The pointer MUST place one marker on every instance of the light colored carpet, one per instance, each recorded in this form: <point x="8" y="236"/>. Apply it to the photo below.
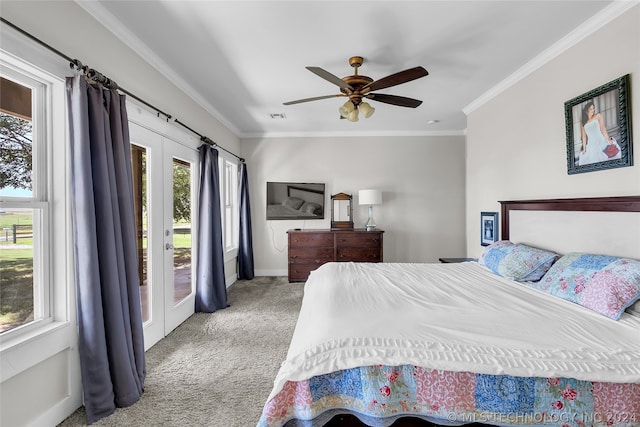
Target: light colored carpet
<point x="216" y="369"/>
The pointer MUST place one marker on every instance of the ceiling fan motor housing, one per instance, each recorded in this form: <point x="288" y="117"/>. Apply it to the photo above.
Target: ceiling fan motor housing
<point x="357" y="82"/>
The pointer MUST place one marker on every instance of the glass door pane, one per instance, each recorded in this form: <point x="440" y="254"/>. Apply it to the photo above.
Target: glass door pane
<point x="180" y="204"/>
<point x="148" y="193"/>
<point x="141" y="210"/>
<point x="181" y="230"/>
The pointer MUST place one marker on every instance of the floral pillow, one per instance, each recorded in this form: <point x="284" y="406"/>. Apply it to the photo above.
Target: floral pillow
<point x="494" y="253"/>
<point x="602" y="283"/>
<point x="517" y="261"/>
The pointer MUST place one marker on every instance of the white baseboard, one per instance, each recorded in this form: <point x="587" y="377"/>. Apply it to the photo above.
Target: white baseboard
<point x="271" y="272"/>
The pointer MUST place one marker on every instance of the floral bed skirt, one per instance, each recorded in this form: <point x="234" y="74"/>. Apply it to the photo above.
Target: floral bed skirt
<point x="386" y="392"/>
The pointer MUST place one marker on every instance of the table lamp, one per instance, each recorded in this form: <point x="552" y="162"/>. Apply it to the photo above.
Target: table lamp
<point x="370" y="197"/>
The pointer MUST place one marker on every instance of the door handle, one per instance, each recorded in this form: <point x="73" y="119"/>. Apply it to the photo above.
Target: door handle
<point x="168" y="246"/>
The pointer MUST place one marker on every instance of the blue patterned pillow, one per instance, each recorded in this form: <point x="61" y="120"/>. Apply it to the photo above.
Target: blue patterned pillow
<point x="494" y="254"/>
<point x="603" y="283"/>
<point x="517" y="261"/>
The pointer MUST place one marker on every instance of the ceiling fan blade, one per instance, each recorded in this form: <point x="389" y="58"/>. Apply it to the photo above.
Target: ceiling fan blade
<point x="299" y="101"/>
<point x="395" y="79"/>
<point x="395" y="100"/>
<point x="330" y="77"/>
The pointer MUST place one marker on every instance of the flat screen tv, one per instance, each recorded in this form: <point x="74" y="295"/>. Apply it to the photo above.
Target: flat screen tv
<point x="295" y="200"/>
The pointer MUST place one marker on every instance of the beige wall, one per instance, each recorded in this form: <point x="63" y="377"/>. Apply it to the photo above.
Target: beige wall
<point x="421" y="178"/>
<point x="516" y="145"/>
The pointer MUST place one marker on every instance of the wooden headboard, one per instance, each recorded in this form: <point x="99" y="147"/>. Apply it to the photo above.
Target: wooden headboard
<point x="620" y="230"/>
<point x="598" y="204"/>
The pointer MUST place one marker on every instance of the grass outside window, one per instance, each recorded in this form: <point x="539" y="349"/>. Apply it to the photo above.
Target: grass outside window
<point x="16" y="270"/>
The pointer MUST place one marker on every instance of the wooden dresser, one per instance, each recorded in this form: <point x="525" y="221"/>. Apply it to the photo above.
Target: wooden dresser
<point x="309" y="249"/>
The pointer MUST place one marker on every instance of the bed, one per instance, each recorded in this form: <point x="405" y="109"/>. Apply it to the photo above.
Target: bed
<point x="529" y="335"/>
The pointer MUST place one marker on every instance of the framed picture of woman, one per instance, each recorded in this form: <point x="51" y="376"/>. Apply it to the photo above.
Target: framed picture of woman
<point x="488" y="228"/>
<point x="598" y="127"/>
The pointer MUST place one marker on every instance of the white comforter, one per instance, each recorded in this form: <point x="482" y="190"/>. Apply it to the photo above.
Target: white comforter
<point x="455" y="317"/>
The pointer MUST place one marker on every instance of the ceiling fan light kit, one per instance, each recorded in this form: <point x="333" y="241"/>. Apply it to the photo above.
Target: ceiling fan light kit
<point x="347" y="108"/>
<point x="356" y="87"/>
<point x="366" y="109"/>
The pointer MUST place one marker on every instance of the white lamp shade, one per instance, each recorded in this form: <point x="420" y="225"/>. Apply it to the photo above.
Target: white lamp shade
<point x="370" y="197"/>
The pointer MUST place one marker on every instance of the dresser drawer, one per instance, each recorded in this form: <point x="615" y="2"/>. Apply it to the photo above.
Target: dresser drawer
<point x="310" y="239"/>
<point x="306" y="254"/>
<point x="359" y="254"/>
<point x="359" y="240"/>
<point x="300" y="272"/>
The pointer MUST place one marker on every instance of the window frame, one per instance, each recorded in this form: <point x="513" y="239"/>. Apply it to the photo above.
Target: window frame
<point x="49" y="203"/>
<point x="228" y="171"/>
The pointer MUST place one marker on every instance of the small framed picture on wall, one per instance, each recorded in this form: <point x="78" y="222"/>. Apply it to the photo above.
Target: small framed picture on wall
<point x="488" y="228"/>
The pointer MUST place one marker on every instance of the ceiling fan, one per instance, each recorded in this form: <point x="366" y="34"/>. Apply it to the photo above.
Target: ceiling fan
<point x="357" y="87"/>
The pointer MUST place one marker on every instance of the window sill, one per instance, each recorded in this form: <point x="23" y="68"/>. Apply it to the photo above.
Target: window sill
<point x="22" y="351"/>
<point x="30" y="332"/>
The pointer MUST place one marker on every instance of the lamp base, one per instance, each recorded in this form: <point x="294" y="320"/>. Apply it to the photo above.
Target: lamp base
<point x="371" y="224"/>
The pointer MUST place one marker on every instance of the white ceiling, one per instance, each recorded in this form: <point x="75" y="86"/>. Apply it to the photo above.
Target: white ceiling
<point x="241" y="60"/>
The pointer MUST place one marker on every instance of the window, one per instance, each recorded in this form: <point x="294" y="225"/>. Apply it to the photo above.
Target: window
<point x="229" y="195"/>
<point x="26" y="135"/>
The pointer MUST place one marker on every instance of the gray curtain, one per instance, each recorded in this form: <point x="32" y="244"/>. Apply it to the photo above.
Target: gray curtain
<point x="245" y="241"/>
<point x="111" y="343"/>
<point x="211" y="289"/>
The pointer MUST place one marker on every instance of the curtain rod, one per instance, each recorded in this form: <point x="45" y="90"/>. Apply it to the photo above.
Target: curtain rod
<point x="110" y="84"/>
<point x="207" y="140"/>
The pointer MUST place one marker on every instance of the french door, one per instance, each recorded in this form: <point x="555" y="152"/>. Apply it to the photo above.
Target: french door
<point x="165" y="184"/>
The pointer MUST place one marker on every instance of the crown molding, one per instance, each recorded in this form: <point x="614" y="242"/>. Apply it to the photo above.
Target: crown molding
<point x="113" y="24"/>
<point x="352" y="134"/>
<point x="608" y="14"/>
